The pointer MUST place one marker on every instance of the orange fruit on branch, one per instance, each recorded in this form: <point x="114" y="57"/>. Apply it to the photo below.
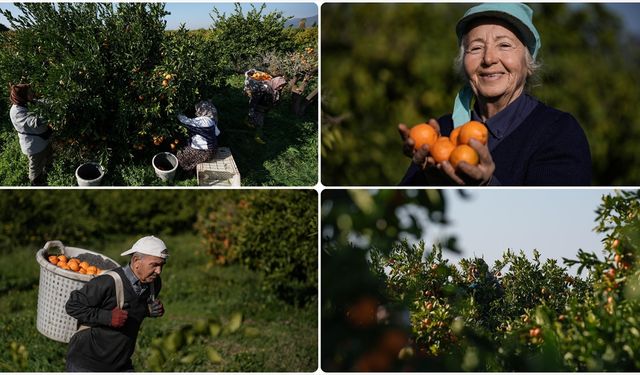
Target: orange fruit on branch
<point x="473" y="130"/>
<point x="463" y="153"/>
<point x="423" y="134"/>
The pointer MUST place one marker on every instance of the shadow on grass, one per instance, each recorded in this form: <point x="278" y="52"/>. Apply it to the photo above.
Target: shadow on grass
<point x="282" y="130"/>
<point x="287" y="157"/>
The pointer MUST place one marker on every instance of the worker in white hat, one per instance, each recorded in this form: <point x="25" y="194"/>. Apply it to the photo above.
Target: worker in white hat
<point x="111" y="307"/>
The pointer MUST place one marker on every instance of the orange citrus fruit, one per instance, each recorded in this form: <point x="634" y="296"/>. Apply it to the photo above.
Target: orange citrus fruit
<point x="63" y="265"/>
<point x="62" y="258"/>
<point x="84" y="265"/>
<point x="73" y="266"/>
<point x="423" y="134"/>
<point x="463" y="153"/>
<point x="475" y="130"/>
<point x="82" y="271"/>
<point x="441" y="150"/>
<point x="454" y="135"/>
<point x="91" y="270"/>
<point x="53" y="259"/>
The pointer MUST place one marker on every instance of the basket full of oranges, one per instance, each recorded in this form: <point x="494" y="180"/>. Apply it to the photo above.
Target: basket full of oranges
<point x="64" y="269"/>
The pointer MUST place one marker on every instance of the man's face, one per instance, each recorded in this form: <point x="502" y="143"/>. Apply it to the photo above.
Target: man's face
<point x="147" y="268"/>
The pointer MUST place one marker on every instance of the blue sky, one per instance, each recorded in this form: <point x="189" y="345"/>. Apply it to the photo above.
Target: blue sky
<point x="196" y="15"/>
<point x="556" y="222"/>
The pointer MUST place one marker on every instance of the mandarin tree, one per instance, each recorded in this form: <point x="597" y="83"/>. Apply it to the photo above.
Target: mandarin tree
<point x="100" y="69"/>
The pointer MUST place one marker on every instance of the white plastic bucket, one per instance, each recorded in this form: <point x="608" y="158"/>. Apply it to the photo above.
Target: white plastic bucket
<point x="165" y="164"/>
<point x="89" y="174"/>
<point x="55" y="287"/>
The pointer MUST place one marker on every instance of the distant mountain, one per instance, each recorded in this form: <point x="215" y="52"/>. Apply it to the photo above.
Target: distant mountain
<point x="310" y="21"/>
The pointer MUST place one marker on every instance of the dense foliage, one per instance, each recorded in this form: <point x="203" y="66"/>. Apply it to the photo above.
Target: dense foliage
<point x="362" y="218"/>
<point x="274" y="232"/>
<point x="408" y="308"/>
<point x="112" y="80"/>
<point x="271" y="232"/>
<point x="385" y="64"/>
<point x="34" y="217"/>
<point x="241" y="37"/>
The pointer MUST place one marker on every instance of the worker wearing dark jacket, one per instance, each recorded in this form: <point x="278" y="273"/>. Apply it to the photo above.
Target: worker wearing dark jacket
<point x="529" y="143"/>
<point x="107" y="334"/>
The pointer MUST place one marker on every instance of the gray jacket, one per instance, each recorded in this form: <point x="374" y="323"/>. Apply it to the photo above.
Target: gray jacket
<point x="28" y="125"/>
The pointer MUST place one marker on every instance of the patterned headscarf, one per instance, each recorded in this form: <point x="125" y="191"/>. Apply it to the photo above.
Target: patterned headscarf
<point x="205" y="108"/>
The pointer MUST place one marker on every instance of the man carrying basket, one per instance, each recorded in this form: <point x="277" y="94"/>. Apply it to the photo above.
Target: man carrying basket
<point x="111" y="307"/>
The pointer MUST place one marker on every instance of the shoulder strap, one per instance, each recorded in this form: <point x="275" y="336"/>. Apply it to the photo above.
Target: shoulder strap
<point x="119" y="288"/>
<point x="119" y="293"/>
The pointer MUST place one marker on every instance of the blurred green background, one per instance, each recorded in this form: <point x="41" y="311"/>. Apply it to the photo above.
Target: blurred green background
<point x="385" y="64"/>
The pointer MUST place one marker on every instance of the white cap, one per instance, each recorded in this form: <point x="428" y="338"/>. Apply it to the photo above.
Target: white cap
<point x="149" y="245"/>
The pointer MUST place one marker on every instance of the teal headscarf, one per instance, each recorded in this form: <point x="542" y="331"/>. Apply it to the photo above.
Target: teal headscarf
<point x="519" y="16"/>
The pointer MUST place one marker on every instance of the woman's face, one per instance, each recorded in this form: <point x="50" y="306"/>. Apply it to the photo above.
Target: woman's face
<point x="495" y="62"/>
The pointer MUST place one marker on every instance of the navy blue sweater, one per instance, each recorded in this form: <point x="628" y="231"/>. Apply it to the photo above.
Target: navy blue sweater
<point x="104" y="348"/>
<point x="548" y="149"/>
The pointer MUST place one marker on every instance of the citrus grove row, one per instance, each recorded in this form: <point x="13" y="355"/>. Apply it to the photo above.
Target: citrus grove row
<point x="112" y="79"/>
<point x="411" y="309"/>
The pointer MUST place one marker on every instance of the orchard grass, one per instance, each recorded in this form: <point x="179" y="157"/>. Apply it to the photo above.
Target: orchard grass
<point x="288" y="156"/>
<point x="274" y="336"/>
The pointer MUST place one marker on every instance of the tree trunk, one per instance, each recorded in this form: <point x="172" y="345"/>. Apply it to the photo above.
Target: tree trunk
<point x="299" y="102"/>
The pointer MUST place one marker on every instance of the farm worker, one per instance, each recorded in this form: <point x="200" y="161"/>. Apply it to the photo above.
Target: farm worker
<point x="33" y="133"/>
<point x="263" y="95"/>
<point x="108" y="342"/>
<point x="203" y="133"/>
<point x="529" y="142"/>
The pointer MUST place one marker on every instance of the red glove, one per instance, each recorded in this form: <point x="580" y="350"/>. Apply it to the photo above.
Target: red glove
<point x="118" y="317"/>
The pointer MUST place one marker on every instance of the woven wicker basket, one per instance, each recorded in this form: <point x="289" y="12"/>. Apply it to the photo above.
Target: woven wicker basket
<point x="56" y="285"/>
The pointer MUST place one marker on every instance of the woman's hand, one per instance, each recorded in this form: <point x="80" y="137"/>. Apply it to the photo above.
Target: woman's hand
<point x="420" y="157"/>
<point x="467" y="174"/>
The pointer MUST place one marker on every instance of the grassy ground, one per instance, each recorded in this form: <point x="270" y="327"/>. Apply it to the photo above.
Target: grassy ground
<point x="288" y="156"/>
<point x="273" y="336"/>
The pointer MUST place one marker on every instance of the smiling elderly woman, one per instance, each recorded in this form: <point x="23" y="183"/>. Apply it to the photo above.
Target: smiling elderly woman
<point x="529" y="142"/>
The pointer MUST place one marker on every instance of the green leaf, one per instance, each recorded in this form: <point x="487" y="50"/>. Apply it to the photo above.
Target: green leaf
<point x="214" y="329"/>
<point x="213" y="355"/>
<point x="235" y="322"/>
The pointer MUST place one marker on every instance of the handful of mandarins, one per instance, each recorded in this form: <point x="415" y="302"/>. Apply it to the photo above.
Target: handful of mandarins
<point x="454" y="148"/>
<point x="74" y="264"/>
